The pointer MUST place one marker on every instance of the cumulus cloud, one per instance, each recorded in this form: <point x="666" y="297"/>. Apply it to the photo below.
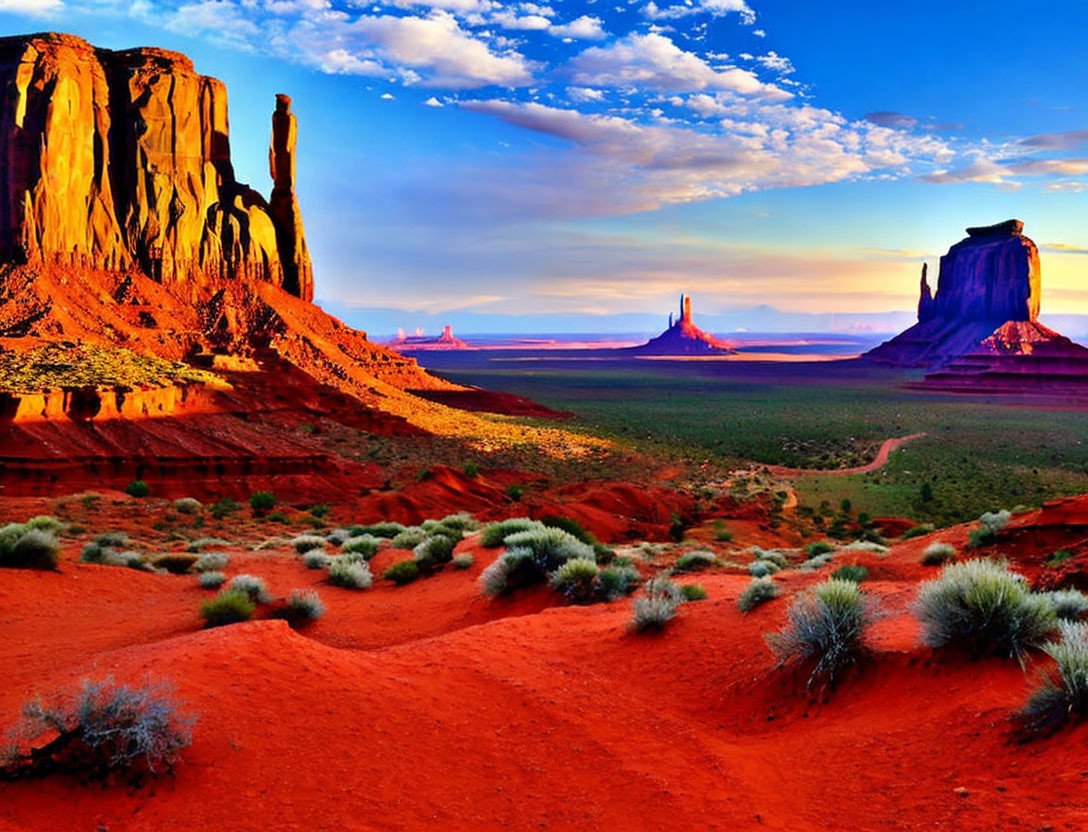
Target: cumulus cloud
<point x="1008" y="172"/>
<point x="715" y="8"/>
<point x="584" y="95"/>
<point x="654" y="62"/>
<point x="585" y="27"/>
<point x="776" y="63"/>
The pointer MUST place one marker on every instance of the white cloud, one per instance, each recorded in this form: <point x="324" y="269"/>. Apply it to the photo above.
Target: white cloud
<point x="715" y="8"/>
<point x="582" y="28"/>
<point x="584" y="95"/>
<point x="433" y="102"/>
<point x="997" y="173"/>
<point x="511" y="20"/>
<point x="388" y="97"/>
<point x="654" y="62"/>
<point x="456" y="6"/>
<point x="32" y="8"/>
<point x="776" y="63"/>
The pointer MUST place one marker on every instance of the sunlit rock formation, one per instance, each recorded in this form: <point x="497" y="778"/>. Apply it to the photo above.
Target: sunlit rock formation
<point x="980" y="331"/>
<point x="446" y="341"/>
<point x="121" y="161"/>
<point x="683" y="337"/>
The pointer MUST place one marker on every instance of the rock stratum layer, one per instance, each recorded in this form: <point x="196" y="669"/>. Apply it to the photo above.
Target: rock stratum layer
<point x="121" y="161"/>
<point x="984" y="312"/>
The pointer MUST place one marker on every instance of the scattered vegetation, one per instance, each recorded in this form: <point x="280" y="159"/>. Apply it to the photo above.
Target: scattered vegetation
<point x="936" y="554"/>
<point x="657" y="606"/>
<point x="433" y="551"/>
<point x="308" y="542"/>
<point x="759" y="591"/>
<point x="252" y="586"/>
<point x="262" y="502"/>
<point x="1068" y="604"/>
<point x="402" y="572"/>
<point x="212" y="580"/>
<point x="176" y="563"/>
<point x="316" y="559"/>
<point x="301" y="607"/>
<point x="231" y="606"/>
<point x="202" y="543"/>
<point x="138" y="488"/>
<point x="826" y="623"/>
<point x="1063" y="698"/>
<point x="695" y="562"/>
<point x="853" y="572"/>
<point x="917" y="531"/>
<point x="409" y="538"/>
<point x="693" y="592"/>
<point x="576" y="580"/>
<point x="29" y="546"/>
<point x="211" y="561"/>
<point x="982" y="607"/>
<point x="101" y="730"/>
<point x="990" y="524"/>
<point x="350" y="574"/>
<point x="386" y="531"/>
<point x="820" y="547"/>
<point x="365" y="546"/>
<point x="463" y="561"/>
<point x="223" y="508"/>
<point x="496" y="533"/>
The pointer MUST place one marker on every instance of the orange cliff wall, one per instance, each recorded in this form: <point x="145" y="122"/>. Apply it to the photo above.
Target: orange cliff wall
<point x="121" y="161"/>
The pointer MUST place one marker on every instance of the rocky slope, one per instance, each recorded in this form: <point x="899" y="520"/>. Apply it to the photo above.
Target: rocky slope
<point x="983" y="317"/>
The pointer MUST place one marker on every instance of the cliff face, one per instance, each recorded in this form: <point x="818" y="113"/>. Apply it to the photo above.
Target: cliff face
<point x="121" y="161"/>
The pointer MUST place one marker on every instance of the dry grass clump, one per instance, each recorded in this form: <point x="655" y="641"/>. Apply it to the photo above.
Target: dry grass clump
<point x="936" y="554"/>
<point x="350" y="574"/>
<point x="759" y="591"/>
<point x="1062" y="698"/>
<point x="24" y="546"/>
<point x="232" y="606"/>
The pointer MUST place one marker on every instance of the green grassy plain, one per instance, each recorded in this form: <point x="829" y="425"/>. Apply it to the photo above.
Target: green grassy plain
<point x="980" y="453"/>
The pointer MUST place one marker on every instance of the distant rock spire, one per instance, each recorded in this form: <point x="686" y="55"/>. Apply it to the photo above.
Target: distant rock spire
<point x="685" y="309"/>
<point x="926" y="306"/>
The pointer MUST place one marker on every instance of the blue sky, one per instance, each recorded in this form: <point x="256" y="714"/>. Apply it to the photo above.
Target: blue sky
<point x="462" y="159"/>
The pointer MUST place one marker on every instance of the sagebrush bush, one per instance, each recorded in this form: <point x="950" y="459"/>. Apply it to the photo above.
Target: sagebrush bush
<point x="112" y="540"/>
<point x="223" y="507"/>
<point x="496" y="533"/>
<point x="212" y="580"/>
<point x="820" y="547"/>
<point x="316" y="559"/>
<point x="28" y="548"/>
<point x="1063" y="698"/>
<point x="45" y="523"/>
<point x="503" y="574"/>
<point x="917" y="531"/>
<point x="111" y="557"/>
<point x="1068" y="604"/>
<point x="386" y="531"/>
<point x="308" y="542"/>
<point x="365" y="545"/>
<point x="852" y="572"/>
<point x="936" y="554"/>
<point x="231" y="606"/>
<point x="409" y="538"/>
<point x="402" y="572"/>
<point x="211" y="561"/>
<point x="350" y="574"/>
<point x="865" y="546"/>
<point x="463" y="561"/>
<point x="551" y="547"/>
<point x="262" y="501"/>
<point x="775" y="556"/>
<point x="252" y="586"/>
<point x="657" y="606"/>
<point x="826" y="623"/>
<point x="982" y="607"/>
<point x="187" y="505"/>
<point x="990" y="524"/>
<point x="818" y="562"/>
<point x="762" y="568"/>
<point x="100" y="730"/>
<point x="695" y="561"/>
<point x="302" y="607"/>
<point x="618" y="580"/>
<point x="758" y="591"/>
<point x="176" y="563"/>
<point x="462" y="521"/>
<point x="576" y="579"/>
<point x="433" y="551"/>
<point x="137" y="488"/>
<point x="202" y="543"/>
<point x="693" y="592"/>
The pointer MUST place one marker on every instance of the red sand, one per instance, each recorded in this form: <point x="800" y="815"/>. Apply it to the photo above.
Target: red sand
<point x="429" y="706"/>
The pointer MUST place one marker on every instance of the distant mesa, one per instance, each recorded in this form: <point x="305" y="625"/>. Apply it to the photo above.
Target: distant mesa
<point x="683" y="337"/>
<point x="980" y="330"/>
<point x="418" y="341"/>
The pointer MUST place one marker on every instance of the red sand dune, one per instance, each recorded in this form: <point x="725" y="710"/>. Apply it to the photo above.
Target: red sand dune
<point x="429" y="706"/>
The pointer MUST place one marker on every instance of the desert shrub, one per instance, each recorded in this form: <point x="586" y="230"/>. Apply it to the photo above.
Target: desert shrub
<point x="471" y="469"/>
<point x="1059" y="557"/>
<point x="187" y="505"/>
<point x="176" y="563"/>
<point x="463" y="561"/>
<point x="262" y="501"/>
<point x="982" y="607"/>
<point x="211" y="561"/>
<point x="402" y="572"/>
<point x="501" y="575"/>
<point x="434" y="550"/>
<point x="762" y="568"/>
<point x="826" y="623"/>
<point x="721" y="532"/>
<point x="651" y="614"/>
<point x="366" y="546"/>
<point x="818" y="562"/>
<point x="916" y="531"/>
<point x="308" y="542"/>
<point x="820" y="547"/>
<point x="137" y="488"/>
<point x="695" y="561"/>
<point x="302" y="607"/>
<point x="775" y="556"/>
<point x="28" y="548"/>
<point x="221" y="508"/>
<point x="693" y="592"/>
<point x="316" y="559"/>
<point x="990" y="524"/>
<point x="936" y="554"/>
<point x="252" y="586"/>
<point x="575" y="579"/>
<point x="231" y="606"/>
<point x="496" y="533"/>
<point x="759" y="591"/>
<point x="409" y="538"/>
<point x="100" y="730"/>
<point x="202" y="543"/>
<point x="852" y="572"/>
<point x="106" y="556"/>
<point x="462" y="522"/>
<point x="551" y="547"/>
<point x="319" y="510"/>
<point x="212" y="580"/>
<point x="876" y="547"/>
<point x="338" y="537"/>
<point x="278" y="517"/>
<point x="45" y="523"/>
<point x="384" y="530"/>
<point x="617" y="581"/>
<point x="112" y="540"/>
<point x="514" y="492"/>
<point x="1063" y="698"/>
<point x="1068" y="604"/>
<point x="350" y="574"/>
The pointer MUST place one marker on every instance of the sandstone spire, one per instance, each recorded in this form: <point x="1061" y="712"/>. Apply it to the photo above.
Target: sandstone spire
<point x="297" y="274"/>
